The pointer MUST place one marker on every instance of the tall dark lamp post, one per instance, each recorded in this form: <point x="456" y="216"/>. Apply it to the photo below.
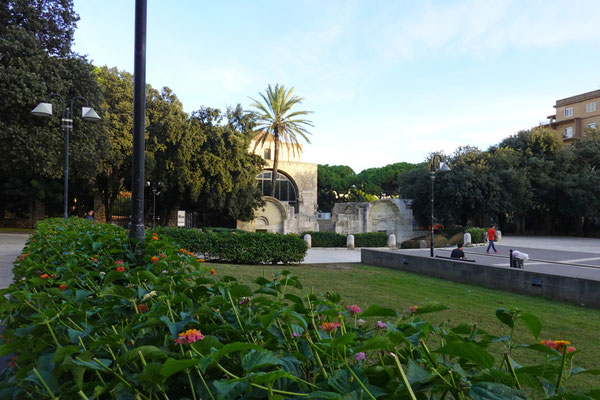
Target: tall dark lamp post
<point x="442" y="167"/>
<point x="87" y="113"/>
<point x="156" y="187"/>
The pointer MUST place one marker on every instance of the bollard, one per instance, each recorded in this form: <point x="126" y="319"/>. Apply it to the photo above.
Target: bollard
<point x="391" y="243"/>
<point x="498" y="235"/>
<point x="308" y="240"/>
<point x="467" y="239"/>
<point x="350" y="242"/>
<point x="510" y="258"/>
<point x="423" y="244"/>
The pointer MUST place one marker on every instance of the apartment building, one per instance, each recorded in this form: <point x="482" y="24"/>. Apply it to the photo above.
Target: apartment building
<point x="575" y="114"/>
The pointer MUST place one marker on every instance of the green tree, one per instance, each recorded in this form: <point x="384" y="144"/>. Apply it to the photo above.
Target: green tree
<point x="36" y="60"/>
<point x="383" y="181"/>
<point x="277" y="121"/>
<point x="333" y="185"/>
<point x="228" y="171"/>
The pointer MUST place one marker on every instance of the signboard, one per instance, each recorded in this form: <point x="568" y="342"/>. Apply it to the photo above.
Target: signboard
<point x="180" y="218"/>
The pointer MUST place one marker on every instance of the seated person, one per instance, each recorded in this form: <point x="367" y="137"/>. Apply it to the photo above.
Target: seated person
<point x="458" y="252"/>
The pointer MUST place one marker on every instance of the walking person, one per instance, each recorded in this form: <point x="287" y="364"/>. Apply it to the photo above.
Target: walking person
<point x="491" y="234"/>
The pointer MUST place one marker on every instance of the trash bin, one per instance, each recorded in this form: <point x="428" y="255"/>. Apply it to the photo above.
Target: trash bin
<point x="517" y="258"/>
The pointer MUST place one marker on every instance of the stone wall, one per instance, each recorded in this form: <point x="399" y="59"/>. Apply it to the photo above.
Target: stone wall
<point x="386" y="215"/>
<point x="574" y="290"/>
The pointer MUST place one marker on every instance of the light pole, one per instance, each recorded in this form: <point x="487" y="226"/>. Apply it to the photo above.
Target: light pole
<point x="442" y="167"/>
<point x="87" y="113"/>
<point x="156" y="187"/>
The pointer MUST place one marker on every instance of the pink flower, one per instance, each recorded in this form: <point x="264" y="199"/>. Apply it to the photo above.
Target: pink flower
<point x="294" y="334"/>
<point x="354" y="309"/>
<point x="189" y="336"/>
<point x="360" y="356"/>
<point x="381" y="324"/>
<point x="142" y="308"/>
<point x="120" y="268"/>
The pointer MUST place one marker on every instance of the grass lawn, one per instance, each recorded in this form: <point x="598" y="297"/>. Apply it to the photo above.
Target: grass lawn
<point x="365" y="285"/>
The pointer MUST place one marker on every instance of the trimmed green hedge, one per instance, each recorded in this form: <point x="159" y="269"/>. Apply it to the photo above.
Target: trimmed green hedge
<point x="333" y="239"/>
<point x="326" y="239"/>
<point x="239" y="247"/>
<point x="370" y="239"/>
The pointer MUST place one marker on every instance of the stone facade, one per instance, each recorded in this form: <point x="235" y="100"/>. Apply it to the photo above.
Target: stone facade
<point x="391" y="216"/>
<point x="280" y="216"/>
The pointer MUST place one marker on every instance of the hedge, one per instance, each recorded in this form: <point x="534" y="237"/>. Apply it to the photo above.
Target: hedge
<point x="477" y="234"/>
<point x="239" y="247"/>
<point x="333" y="239"/>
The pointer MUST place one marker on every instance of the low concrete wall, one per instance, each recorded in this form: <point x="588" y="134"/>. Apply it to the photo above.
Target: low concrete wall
<point x="574" y="290"/>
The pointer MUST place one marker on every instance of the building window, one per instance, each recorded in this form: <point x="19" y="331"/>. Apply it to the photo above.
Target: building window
<point x="267" y="154"/>
<point x="286" y="189"/>
<point x="569" y="112"/>
<point x="592" y="125"/>
<point x="590" y="107"/>
<point x="568" y="132"/>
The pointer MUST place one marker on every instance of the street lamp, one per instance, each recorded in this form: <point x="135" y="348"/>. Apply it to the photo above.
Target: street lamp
<point x="156" y="187"/>
<point x="87" y="113"/>
<point x="442" y="167"/>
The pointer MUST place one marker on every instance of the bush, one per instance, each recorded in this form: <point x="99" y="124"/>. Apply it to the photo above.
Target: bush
<point x="411" y="244"/>
<point x="456" y="239"/>
<point x="239" y="247"/>
<point x="477" y="234"/>
<point x="89" y="317"/>
<point x="370" y="239"/>
<point x="326" y="239"/>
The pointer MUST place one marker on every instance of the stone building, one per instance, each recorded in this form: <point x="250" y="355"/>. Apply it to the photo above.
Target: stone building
<point x="386" y="215"/>
<point x="575" y="114"/>
<point x="294" y="207"/>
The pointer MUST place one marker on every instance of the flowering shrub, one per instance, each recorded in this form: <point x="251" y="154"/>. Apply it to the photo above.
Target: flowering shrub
<point x="169" y="329"/>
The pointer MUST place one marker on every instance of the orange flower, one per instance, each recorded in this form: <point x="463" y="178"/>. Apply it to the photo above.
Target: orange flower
<point x="23" y="256"/>
<point x="183" y="250"/>
<point x="330" y="326"/>
<point x="212" y="271"/>
<point x="121" y="268"/>
<point x="44" y="276"/>
<point x="154" y="259"/>
<point x="200" y="259"/>
<point x="558" y="345"/>
<point x="189" y="336"/>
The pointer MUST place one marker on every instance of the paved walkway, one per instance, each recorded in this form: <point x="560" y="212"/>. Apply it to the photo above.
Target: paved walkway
<point x="11" y="245"/>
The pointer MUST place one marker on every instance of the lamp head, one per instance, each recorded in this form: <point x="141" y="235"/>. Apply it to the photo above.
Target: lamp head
<point x="43" y="110"/>
<point x="89" y="114"/>
<point x="443" y="167"/>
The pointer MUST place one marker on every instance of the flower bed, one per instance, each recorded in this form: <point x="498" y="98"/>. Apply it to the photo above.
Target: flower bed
<point x="87" y="318"/>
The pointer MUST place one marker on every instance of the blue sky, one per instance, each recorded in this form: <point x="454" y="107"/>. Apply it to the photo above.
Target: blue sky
<point x="388" y="81"/>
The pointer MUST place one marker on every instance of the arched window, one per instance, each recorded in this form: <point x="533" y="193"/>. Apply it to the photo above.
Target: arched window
<point x="286" y="188"/>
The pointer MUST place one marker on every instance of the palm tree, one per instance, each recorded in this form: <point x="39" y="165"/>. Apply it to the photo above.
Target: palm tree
<point x="276" y="120"/>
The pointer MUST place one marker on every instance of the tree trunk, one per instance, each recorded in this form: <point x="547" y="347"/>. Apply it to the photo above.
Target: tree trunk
<point x="275" y="163"/>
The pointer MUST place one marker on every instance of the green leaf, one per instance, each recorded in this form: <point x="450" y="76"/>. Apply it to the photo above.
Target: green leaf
<point x="323" y="395"/>
<point x="238" y="291"/>
<point x="9" y="348"/>
<point x="149" y="353"/>
<point x="532" y="323"/>
<point x="505" y="316"/>
<point x="378" y="311"/>
<point x="377" y="343"/>
<point x="495" y="391"/>
<point x="151" y="375"/>
<point x="63" y="351"/>
<point x="96" y="245"/>
<point x="75" y="335"/>
<point x="431" y="307"/>
<point x="256" y="359"/>
<point x="344" y="339"/>
<point x="147" y="275"/>
<point x="112" y="276"/>
<point x="46" y="376"/>
<point x="82" y="294"/>
<point x="93" y="365"/>
<point x="416" y="373"/>
<point x="234" y="347"/>
<point x="227" y="390"/>
<point x="268" y="377"/>
<point x="468" y="351"/>
<point x="542" y="349"/>
<point x="117" y="291"/>
<point x="172" y="366"/>
<point x="580" y="370"/>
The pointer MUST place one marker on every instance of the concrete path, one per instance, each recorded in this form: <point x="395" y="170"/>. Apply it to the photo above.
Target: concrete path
<point x="11" y="246"/>
<point x="329" y="255"/>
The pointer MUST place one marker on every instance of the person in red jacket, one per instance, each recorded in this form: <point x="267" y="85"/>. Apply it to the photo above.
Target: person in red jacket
<point x="491" y="234"/>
